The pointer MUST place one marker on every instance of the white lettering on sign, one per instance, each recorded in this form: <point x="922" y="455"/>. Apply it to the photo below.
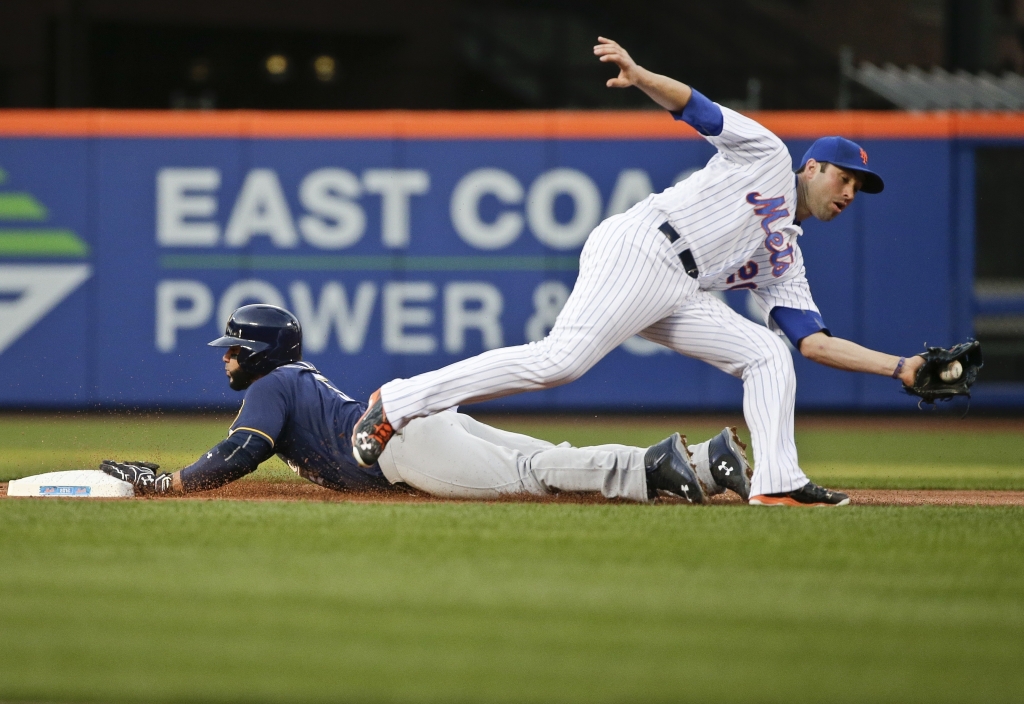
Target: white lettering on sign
<point x="336" y="221"/>
<point x="182" y="197"/>
<point x="396" y="187"/>
<point x="484" y="315"/>
<point x="261" y="211"/>
<point x="172" y="317"/>
<point x="400" y="314"/>
<point x="465" y="208"/>
<point x="350" y="322"/>
<point x="334" y="218"/>
<point x="408" y="312"/>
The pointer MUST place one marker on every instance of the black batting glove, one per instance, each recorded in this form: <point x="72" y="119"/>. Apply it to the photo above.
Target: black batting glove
<point x="141" y="475"/>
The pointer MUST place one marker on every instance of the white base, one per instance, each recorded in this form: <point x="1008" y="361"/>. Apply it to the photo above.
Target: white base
<point x="76" y="483"/>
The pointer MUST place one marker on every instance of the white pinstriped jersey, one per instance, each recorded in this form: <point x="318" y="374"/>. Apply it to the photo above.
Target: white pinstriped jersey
<point x="736" y="216"/>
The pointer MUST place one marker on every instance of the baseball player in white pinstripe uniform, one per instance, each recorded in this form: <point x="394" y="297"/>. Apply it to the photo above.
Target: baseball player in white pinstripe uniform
<point x="652" y="271"/>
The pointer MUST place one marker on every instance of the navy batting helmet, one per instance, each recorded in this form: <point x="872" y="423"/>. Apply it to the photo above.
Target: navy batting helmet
<point x="269" y="337"/>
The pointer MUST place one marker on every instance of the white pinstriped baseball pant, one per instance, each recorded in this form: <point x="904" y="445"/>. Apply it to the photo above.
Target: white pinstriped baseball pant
<point x="632" y="282"/>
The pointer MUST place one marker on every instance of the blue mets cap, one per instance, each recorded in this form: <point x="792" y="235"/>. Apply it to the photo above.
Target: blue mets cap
<point x="849" y="155"/>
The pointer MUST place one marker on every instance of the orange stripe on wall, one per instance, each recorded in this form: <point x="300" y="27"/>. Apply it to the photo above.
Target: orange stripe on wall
<point x="490" y="125"/>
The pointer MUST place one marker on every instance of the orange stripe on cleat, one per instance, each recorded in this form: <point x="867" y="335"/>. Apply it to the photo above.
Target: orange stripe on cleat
<point x="763" y="500"/>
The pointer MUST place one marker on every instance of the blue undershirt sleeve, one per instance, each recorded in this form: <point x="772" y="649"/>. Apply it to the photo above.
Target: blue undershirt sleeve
<point x="798" y="324"/>
<point x="232" y="459"/>
<point x="702" y="115"/>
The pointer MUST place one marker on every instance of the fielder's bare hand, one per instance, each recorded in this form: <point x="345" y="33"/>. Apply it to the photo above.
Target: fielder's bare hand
<point x="909" y="371"/>
<point x="609" y="51"/>
<point x="666" y="92"/>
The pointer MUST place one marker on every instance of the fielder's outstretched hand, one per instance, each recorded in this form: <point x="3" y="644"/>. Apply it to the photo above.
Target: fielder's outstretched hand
<point x="141" y="475"/>
<point x="608" y="50"/>
<point x="666" y="92"/>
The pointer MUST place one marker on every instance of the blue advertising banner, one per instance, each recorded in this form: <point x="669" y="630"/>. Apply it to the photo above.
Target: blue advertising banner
<point x="121" y="257"/>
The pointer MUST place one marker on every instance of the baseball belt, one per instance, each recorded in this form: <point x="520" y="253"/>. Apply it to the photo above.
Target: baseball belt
<point x="686" y="256"/>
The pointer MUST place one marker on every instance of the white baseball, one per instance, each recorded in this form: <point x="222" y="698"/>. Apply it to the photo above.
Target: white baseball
<point x="952" y="372"/>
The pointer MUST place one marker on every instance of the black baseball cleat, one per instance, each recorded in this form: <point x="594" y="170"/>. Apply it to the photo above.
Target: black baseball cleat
<point x="668" y="469"/>
<point x="728" y="463"/>
<point x="810" y="494"/>
<point x="371" y="433"/>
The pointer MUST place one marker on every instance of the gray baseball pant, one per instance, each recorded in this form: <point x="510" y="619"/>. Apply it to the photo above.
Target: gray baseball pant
<point x="451" y="455"/>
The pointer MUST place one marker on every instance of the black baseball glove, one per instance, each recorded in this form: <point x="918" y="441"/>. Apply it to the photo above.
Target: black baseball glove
<point x="929" y="384"/>
<point x="141" y="475"/>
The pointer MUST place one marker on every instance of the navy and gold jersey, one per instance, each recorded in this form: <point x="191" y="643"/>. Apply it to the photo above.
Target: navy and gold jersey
<point x="308" y="422"/>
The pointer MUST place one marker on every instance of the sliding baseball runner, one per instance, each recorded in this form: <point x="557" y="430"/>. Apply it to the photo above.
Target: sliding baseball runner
<point x="653" y="271"/>
<point x="292" y="410"/>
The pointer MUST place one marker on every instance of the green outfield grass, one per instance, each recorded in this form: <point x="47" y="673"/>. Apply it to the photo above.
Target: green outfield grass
<point x="910" y="457"/>
<point x="176" y="601"/>
<point x="172" y="601"/>
<point x="907" y="456"/>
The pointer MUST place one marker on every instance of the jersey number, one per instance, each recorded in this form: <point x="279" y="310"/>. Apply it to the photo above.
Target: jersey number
<point x="746" y="272"/>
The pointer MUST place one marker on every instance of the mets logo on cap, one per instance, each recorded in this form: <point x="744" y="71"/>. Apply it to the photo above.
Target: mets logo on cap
<point x="845" y="154"/>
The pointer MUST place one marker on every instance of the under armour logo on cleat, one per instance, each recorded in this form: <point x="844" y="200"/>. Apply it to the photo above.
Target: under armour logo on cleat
<point x="725" y="468"/>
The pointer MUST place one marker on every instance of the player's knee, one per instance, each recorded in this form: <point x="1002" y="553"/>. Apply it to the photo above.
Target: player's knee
<point x="564" y="371"/>
<point x="557" y="369"/>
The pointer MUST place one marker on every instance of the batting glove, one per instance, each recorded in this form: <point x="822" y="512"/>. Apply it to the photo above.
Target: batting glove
<point x="141" y="475"/>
